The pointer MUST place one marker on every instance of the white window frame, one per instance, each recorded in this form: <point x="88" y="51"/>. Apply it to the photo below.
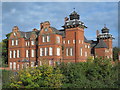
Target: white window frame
<point x="12" y="42"/>
<point x="26" y="43"/>
<point x="14" y="54"/>
<point x="43" y="38"/>
<point x="16" y="42"/>
<point x="27" y="52"/>
<point x="73" y="41"/>
<point x="45" y="51"/>
<point x="18" y="53"/>
<point x="32" y="53"/>
<point x="58" y="51"/>
<point x="14" y="65"/>
<point x="66" y="51"/>
<point x="11" y="65"/>
<point x="50" y="51"/>
<point x="79" y="41"/>
<point x="48" y="38"/>
<point x="10" y="54"/>
<point x="32" y="42"/>
<point x="71" y="51"/>
<point x="85" y="54"/>
<point x="81" y="51"/>
<point x="68" y="41"/>
<point x="58" y="39"/>
<point x="88" y="46"/>
<point x="41" y="49"/>
<point x="63" y="41"/>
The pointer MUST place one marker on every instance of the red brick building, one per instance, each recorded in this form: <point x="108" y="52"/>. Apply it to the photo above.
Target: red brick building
<point x="49" y="45"/>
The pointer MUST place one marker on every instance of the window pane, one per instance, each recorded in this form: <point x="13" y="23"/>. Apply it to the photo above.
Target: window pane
<point x="16" y="42"/>
<point x="66" y="51"/>
<point x="50" y="51"/>
<point x="10" y="65"/>
<point x="14" y="65"/>
<point x="58" y="51"/>
<point x="12" y="42"/>
<point x="10" y="54"/>
<point x="48" y="38"/>
<point x="58" y="39"/>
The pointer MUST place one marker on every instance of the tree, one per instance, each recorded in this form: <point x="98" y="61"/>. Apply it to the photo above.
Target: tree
<point x="4" y="50"/>
<point x="97" y="73"/>
<point x="115" y="53"/>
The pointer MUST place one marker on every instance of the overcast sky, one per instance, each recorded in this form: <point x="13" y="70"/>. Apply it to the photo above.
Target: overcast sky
<point x="29" y="15"/>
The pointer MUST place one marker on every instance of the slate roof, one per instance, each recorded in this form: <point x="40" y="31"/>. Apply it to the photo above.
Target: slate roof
<point x="101" y="44"/>
<point x="60" y="32"/>
<point x="93" y="43"/>
<point x="87" y="41"/>
<point x="27" y="34"/>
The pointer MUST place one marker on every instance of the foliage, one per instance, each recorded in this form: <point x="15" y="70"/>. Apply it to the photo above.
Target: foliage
<point x="4" y="50"/>
<point x="100" y="73"/>
<point x="6" y="77"/>
<point x="97" y="73"/>
<point x="115" y="53"/>
<point x="43" y="76"/>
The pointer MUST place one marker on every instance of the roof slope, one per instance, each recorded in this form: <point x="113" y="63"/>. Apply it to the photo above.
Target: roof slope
<point x="101" y="44"/>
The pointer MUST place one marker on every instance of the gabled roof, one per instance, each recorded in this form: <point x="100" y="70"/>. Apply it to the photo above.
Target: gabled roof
<point x="101" y="44"/>
<point x="60" y="32"/>
<point x="87" y="41"/>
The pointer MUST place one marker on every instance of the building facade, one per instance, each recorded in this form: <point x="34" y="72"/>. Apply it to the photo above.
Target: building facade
<point x="51" y="46"/>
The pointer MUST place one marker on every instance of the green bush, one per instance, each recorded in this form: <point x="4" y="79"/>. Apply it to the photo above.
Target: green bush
<point x="43" y="76"/>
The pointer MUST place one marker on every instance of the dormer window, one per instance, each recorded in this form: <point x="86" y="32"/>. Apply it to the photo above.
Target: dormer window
<point x="48" y="38"/>
<point x="14" y="34"/>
